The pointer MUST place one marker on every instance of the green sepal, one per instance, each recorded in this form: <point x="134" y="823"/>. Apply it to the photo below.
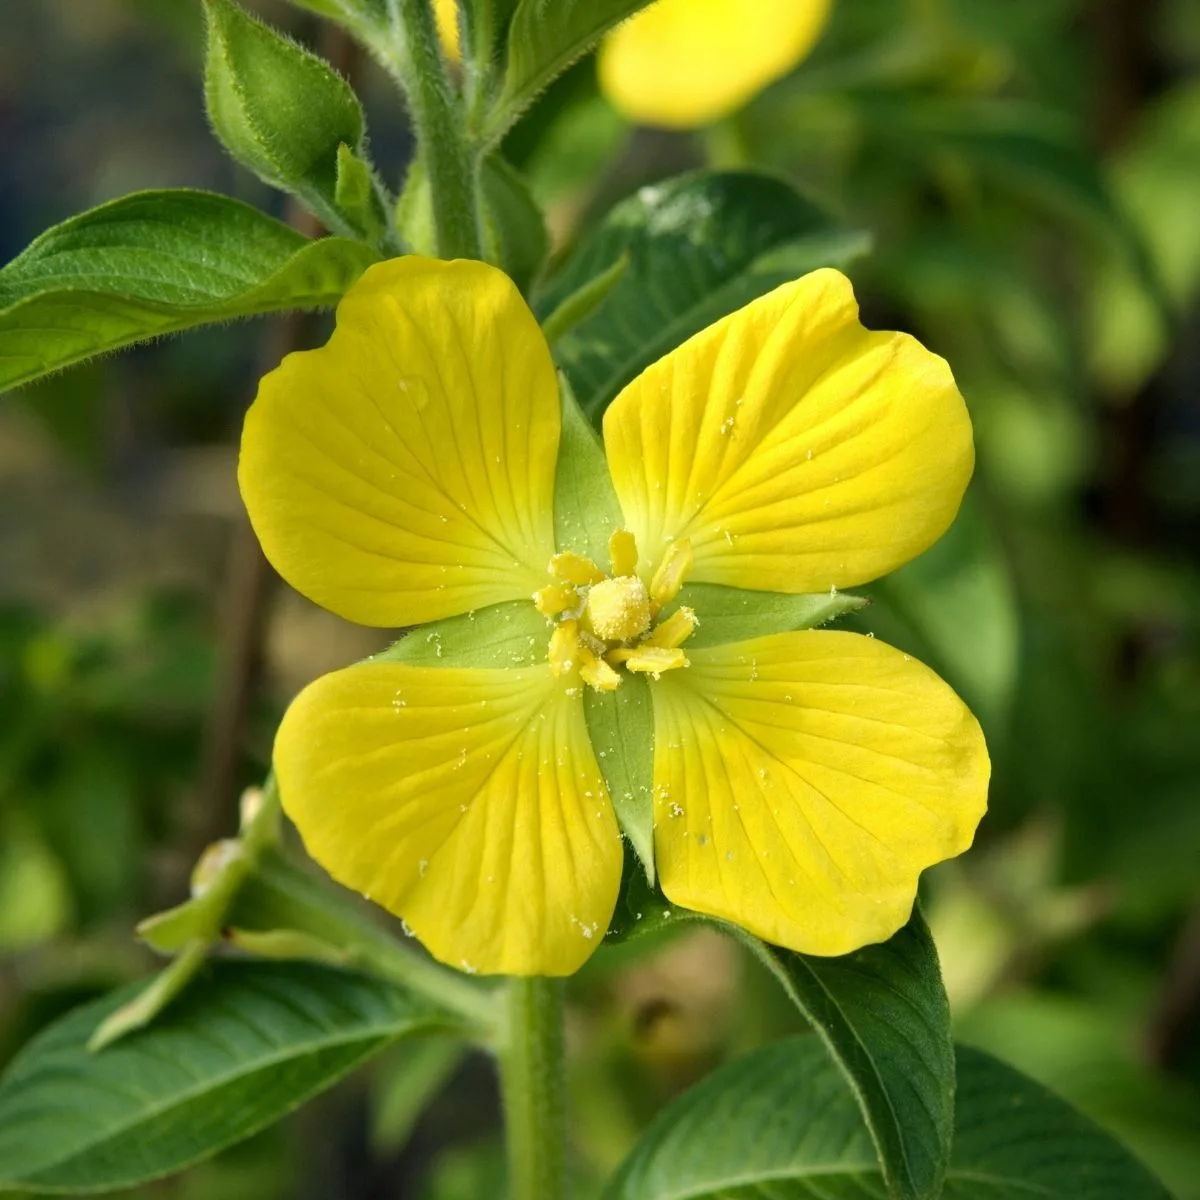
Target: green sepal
<point x="279" y="109"/>
<point x="730" y="614"/>
<point x="155" y="263"/>
<point x="514" y="230"/>
<point x="512" y="634"/>
<point x="584" y="301"/>
<point x="586" y="511"/>
<point x="621" y="726"/>
<point x="414" y="212"/>
<point x="150" y="1002"/>
<point x="357" y="194"/>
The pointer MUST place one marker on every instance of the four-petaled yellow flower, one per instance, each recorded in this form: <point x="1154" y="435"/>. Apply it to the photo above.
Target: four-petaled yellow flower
<point x="405" y="473"/>
<point x="686" y="63"/>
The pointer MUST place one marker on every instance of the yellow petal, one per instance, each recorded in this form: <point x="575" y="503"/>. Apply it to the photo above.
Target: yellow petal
<point x="796" y="450"/>
<point x="804" y="780"/>
<point x="469" y="802"/>
<point x="405" y="471"/>
<point x="684" y="63"/>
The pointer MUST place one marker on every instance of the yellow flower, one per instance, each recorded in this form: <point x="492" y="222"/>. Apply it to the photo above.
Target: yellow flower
<point x="445" y="13"/>
<point x="685" y="63"/>
<point x="405" y="473"/>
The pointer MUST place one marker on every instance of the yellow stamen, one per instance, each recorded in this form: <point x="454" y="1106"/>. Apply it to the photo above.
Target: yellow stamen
<point x="668" y="579"/>
<point x="623" y="552"/>
<point x="564" y="648"/>
<point x="618" y="609"/>
<point x="675" y="630"/>
<point x="555" y="598"/>
<point x="653" y="660"/>
<point x="575" y="568"/>
<point x="596" y="672"/>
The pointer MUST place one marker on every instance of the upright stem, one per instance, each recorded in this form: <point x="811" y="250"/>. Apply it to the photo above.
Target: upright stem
<point x="533" y="1085"/>
<point x="415" y="56"/>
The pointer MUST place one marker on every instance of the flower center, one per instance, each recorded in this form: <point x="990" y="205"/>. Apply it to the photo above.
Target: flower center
<point x="618" y="609"/>
<point x="606" y="623"/>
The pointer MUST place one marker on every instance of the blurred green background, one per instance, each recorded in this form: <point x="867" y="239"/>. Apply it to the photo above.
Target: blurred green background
<point x="1030" y="171"/>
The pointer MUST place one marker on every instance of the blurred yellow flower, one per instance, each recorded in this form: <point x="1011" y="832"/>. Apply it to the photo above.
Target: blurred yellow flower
<point x="686" y="63"/>
<point x="445" y="12"/>
<point x="405" y="473"/>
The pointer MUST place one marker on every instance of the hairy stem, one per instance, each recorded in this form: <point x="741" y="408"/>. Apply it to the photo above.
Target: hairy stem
<point x="533" y="1086"/>
<point x="415" y="57"/>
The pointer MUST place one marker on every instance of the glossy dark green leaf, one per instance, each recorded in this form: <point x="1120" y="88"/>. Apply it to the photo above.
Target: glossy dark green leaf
<point x="543" y="41"/>
<point x="245" y="1044"/>
<point x="156" y="263"/>
<point x="699" y="247"/>
<point x="781" y="1123"/>
<point x="883" y="1015"/>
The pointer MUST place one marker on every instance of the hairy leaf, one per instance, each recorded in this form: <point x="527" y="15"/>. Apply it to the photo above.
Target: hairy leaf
<point x="544" y="39"/>
<point x="155" y="263"/>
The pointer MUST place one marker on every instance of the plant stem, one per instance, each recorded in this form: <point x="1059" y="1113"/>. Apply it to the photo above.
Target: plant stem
<point x="415" y="57"/>
<point x="533" y="1086"/>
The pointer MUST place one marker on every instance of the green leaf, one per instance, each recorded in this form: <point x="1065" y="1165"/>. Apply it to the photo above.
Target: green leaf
<point x="621" y="727"/>
<point x="156" y="263"/>
<point x="883" y="1015"/>
<point x="244" y="1045"/>
<point x="728" y="614"/>
<point x="279" y="109"/>
<point x="544" y="39"/>
<point x="586" y="511"/>
<point x="699" y="247"/>
<point x="782" y="1123"/>
<point x="366" y="18"/>
<point x="513" y="634"/>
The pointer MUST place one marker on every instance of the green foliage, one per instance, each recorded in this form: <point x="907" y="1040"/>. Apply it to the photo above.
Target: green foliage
<point x="781" y="1122"/>
<point x="280" y="110"/>
<point x="156" y="263"/>
<point x="883" y="1016"/>
<point x="698" y="248"/>
<point x="544" y="39"/>
<point x="243" y="1046"/>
